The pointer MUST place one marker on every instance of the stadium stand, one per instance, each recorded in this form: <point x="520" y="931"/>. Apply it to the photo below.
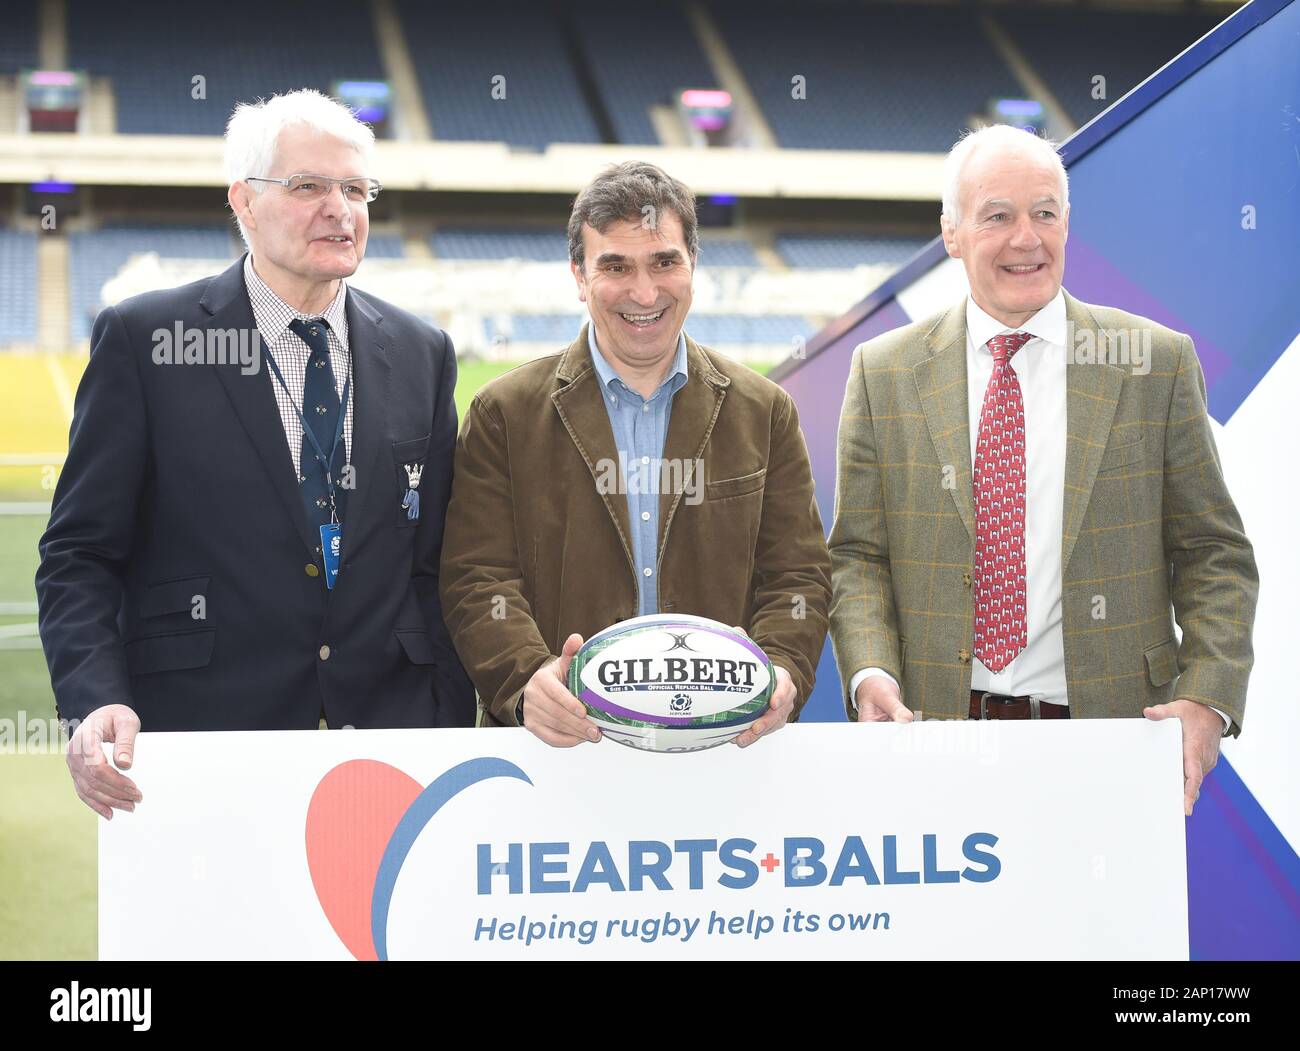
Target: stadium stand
<point x="638" y="62"/>
<point x="835" y="251"/>
<point x="18" y="289"/>
<point x="458" y="51"/>
<point x="1125" y="47"/>
<point x="18" y="41"/>
<point x="873" y="81"/>
<point x="724" y="251"/>
<point x="540" y="246"/>
<point x="97" y="255"/>
<point x="240" y="60"/>
<point x="384" y="246"/>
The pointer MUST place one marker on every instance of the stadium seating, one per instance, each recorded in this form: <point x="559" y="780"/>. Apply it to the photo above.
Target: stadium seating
<point x="723" y="251"/>
<point x="1125" y="47"/>
<point x="246" y="55"/>
<point x="875" y="78"/>
<point x="384" y="246"/>
<point x="457" y="51"/>
<point x="18" y="41"/>
<point x="18" y="289"/>
<point x="535" y="245"/>
<point x="844" y="251"/>
<point x="97" y="255"/>
<point x="638" y="62"/>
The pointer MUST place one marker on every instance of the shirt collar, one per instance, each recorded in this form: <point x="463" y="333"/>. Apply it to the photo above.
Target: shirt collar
<point x="1048" y="324"/>
<point x="608" y="377"/>
<point x="272" y="314"/>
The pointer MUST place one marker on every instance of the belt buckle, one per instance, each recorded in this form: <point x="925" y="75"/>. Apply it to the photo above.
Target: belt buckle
<point x="984" y="705"/>
<point x="1035" y="711"/>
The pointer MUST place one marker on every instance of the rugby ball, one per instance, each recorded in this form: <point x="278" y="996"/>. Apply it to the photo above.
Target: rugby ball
<point x="672" y="683"/>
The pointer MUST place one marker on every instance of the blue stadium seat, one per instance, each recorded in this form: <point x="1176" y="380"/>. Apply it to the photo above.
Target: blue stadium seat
<point x="384" y="246"/>
<point x="722" y="251"/>
<point x="845" y="251"/>
<point x="457" y="51"/>
<point x="720" y="330"/>
<point x="877" y="76"/>
<point x="244" y="55"/>
<point x="1068" y="48"/>
<point x="542" y="246"/>
<point x="639" y="61"/>
<point x="18" y="289"/>
<point x="18" y="41"/>
<point x="96" y="255"/>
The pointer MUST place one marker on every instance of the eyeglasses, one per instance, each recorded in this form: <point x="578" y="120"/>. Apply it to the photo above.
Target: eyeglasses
<point x="308" y="187"/>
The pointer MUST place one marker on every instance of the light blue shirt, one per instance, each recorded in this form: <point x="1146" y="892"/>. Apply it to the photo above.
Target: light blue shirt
<point x="640" y="428"/>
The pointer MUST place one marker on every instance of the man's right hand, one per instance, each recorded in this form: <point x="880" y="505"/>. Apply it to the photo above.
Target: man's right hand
<point x="98" y="784"/>
<point x="879" y="701"/>
<point x="550" y="710"/>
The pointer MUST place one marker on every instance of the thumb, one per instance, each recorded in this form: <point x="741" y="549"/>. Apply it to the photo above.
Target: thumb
<point x="571" y="646"/>
<point x="122" y="730"/>
<point x="1158" y="712"/>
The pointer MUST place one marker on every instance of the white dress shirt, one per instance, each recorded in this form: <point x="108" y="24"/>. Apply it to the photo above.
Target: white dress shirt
<point x="1040" y="366"/>
<point x="272" y="315"/>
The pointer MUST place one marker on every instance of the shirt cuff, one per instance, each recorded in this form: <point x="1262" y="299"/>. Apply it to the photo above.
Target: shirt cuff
<point x="1227" y="719"/>
<point x="859" y="677"/>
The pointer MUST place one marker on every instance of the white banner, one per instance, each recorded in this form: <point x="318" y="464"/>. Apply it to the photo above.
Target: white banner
<point x="979" y="840"/>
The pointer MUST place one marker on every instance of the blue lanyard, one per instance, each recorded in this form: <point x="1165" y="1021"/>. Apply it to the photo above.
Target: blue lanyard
<point x="310" y="435"/>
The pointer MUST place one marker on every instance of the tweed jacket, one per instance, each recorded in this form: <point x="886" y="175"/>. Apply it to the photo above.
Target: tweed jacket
<point x="536" y="547"/>
<point x="1150" y="531"/>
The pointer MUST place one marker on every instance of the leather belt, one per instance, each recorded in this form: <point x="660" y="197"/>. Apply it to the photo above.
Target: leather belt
<point x="985" y="705"/>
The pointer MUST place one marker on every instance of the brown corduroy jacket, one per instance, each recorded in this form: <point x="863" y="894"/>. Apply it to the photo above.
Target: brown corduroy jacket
<point x="538" y="547"/>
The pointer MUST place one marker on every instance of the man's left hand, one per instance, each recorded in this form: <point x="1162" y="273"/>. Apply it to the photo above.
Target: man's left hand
<point x="780" y="708"/>
<point x="1202" y="732"/>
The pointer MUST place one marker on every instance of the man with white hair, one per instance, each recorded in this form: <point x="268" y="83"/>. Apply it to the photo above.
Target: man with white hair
<point x="1029" y="494"/>
<point x="247" y="531"/>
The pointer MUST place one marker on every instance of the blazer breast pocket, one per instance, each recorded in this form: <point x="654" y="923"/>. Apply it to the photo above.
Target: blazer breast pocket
<point x="408" y="466"/>
<point x="1123" y="455"/>
<point x="726" y="488"/>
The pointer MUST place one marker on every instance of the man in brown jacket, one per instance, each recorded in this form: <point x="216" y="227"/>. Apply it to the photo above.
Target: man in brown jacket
<point x="634" y="473"/>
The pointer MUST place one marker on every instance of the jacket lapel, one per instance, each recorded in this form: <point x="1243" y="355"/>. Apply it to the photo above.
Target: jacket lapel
<point x="370" y="393"/>
<point x="226" y="300"/>
<point x="581" y="405"/>
<point x="941" y="383"/>
<point x="695" y="409"/>
<point x="1092" y="394"/>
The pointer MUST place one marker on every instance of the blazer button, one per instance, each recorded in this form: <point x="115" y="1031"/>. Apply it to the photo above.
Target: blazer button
<point x="324" y="653"/>
<point x="311" y="570"/>
<point x="965" y="579"/>
<point x="963" y="656"/>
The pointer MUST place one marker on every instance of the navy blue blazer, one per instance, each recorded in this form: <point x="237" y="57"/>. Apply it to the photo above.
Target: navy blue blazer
<point x="179" y="574"/>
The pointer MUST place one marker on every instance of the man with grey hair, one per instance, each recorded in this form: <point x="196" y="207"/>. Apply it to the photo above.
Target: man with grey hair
<point x="1029" y="494"/>
<point x="634" y="473"/>
<point x="246" y="533"/>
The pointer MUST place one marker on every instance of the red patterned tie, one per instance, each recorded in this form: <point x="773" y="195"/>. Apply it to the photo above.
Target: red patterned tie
<point x="1000" y="632"/>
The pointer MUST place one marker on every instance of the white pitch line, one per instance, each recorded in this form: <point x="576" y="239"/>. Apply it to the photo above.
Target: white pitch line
<point x="61" y="388"/>
<point x="17" y="631"/>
